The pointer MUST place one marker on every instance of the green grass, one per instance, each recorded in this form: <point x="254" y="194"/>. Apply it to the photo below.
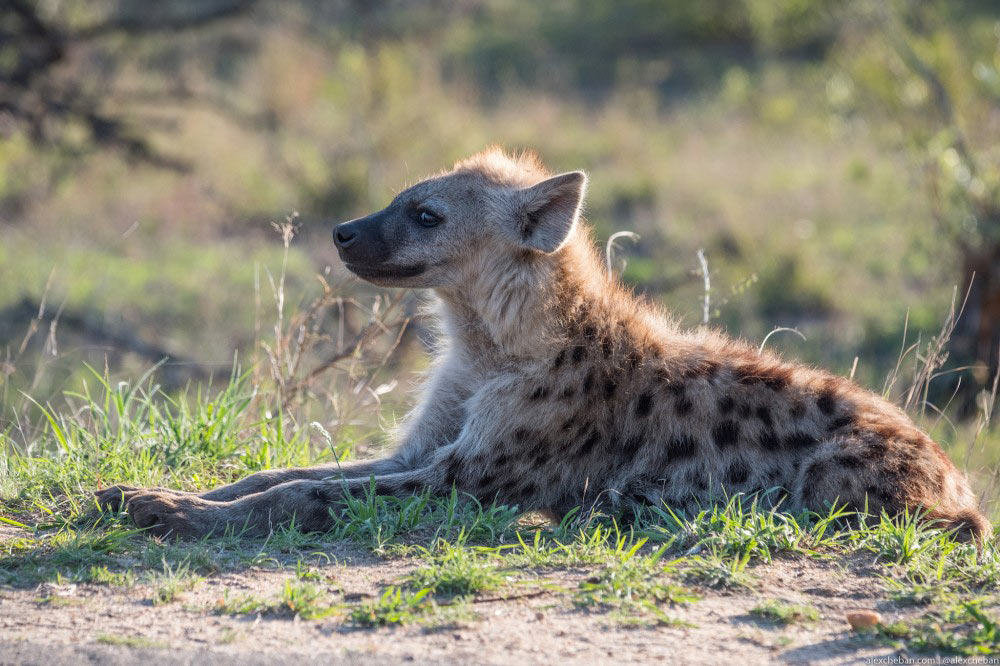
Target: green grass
<point x="455" y="571"/>
<point x="717" y="570"/>
<point x="456" y="551"/>
<point x="963" y="628"/>
<point x="131" y="641"/>
<point x="171" y="582"/>
<point x="396" y="605"/>
<point x="636" y="588"/>
<point x="777" y="237"/>
<point x="296" y="598"/>
<point x="785" y="613"/>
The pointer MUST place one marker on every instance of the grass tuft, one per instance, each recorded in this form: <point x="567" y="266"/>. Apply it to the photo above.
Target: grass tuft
<point x="785" y="613"/>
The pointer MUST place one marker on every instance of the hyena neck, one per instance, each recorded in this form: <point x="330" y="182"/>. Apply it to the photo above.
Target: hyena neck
<point x="518" y="304"/>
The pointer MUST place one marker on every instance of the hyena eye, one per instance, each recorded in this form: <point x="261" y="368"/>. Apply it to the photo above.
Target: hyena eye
<point x="427" y="218"/>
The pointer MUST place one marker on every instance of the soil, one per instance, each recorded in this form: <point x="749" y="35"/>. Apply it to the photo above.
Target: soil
<point x="98" y="623"/>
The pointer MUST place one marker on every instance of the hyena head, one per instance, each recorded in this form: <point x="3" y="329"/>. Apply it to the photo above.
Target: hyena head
<point x="434" y="233"/>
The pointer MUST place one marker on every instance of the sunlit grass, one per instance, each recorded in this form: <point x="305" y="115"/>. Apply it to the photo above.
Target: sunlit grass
<point x="457" y="551"/>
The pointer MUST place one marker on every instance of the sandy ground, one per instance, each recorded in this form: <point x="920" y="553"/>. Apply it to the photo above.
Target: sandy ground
<point x="85" y="623"/>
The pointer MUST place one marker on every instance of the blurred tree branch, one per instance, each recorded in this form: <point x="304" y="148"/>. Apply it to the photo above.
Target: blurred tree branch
<point x="34" y="95"/>
<point x="158" y="21"/>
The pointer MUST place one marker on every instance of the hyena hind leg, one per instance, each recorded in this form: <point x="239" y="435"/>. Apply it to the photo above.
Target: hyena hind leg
<point x="847" y="475"/>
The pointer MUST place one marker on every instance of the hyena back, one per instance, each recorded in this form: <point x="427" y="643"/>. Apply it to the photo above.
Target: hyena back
<point x="555" y="387"/>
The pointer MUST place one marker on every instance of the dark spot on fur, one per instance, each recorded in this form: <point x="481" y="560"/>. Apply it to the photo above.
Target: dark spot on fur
<point x="607" y="346"/>
<point x="588" y="381"/>
<point x="877" y="448"/>
<point x="738" y="473"/>
<point x="903" y="469"/>
<point x="726" y="433"/>
<point x="799" y="440"/>
<point x="683" y="406"/>
<point x="529" y="490"/>
<point x="815" y="474"/>
<point x="521" y="435"/>
<point x="560" y="359"/>
<point x="632" y="360"/>
<point x="610" y="386"/>
<point x="681" y="447"/>
<point x="589" y="331"/>
<point x="578" y="354"/>
<point x="769" y="440"/>
<point x="542" y="456"/>
<point x="764" y="414"/>
<point x="840" y="422"/>
<point x="726" y="405"/>
<point x="539" y="393"/>
<point x="878" y="494"/>
<point x="568" y="392"/>
<point x="827" y="402"/>
<point x="508" y="489"/>
<point x="744" y="411"/>
<point x="774" y="378"/>
<point x="644" y="404"/>
<point x="502" y="460"/>
<point x="588" y="444"/>
<point x="798" y="409"/>
<point x="567" y="424"/>
<point x="631" y="446"/>
<point x="849" y="461"/>
<point x="775" y="382"/>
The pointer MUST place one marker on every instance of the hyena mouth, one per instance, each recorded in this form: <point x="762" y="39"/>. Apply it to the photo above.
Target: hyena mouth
<point x="386" y="272"/>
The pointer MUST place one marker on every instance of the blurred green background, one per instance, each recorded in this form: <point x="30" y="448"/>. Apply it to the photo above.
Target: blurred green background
<point x="837" y="161"/>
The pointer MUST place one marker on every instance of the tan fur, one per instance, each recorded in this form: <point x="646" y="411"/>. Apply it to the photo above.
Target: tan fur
<point x="555" y="387"/>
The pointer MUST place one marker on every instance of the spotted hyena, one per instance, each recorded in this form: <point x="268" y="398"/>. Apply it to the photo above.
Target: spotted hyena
<point x="556" y="387"/>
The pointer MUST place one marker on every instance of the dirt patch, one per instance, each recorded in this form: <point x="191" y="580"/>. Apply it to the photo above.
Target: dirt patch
<point x="99" y="623"/>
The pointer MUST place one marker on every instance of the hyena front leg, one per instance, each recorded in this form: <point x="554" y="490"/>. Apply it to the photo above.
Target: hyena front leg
<point x="305" y="502"/>
<point x="117" y="496"/>
<point x="435" y="422"/>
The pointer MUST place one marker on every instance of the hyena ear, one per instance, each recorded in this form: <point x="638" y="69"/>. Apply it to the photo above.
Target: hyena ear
<point x="547" y="212"/>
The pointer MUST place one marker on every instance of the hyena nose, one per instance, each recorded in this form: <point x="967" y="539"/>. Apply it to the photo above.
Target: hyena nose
<point x="344" y="236"/>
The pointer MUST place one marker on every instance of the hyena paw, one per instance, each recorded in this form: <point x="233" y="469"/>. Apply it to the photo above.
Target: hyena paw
<point x="117" y="497"/>
<point x="167" y="514"/>
<point x="114" y="498"/>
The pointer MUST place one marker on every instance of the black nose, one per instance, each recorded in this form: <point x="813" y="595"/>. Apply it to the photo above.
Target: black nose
<point x="344" y="236"/>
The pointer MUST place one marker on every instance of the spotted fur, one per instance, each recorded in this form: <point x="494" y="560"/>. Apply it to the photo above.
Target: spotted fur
<point x="555" y="387"/>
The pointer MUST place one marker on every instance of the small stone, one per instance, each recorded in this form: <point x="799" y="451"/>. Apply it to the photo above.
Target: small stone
<point x="863" y="619"/>
<point x="539" y="615"/>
